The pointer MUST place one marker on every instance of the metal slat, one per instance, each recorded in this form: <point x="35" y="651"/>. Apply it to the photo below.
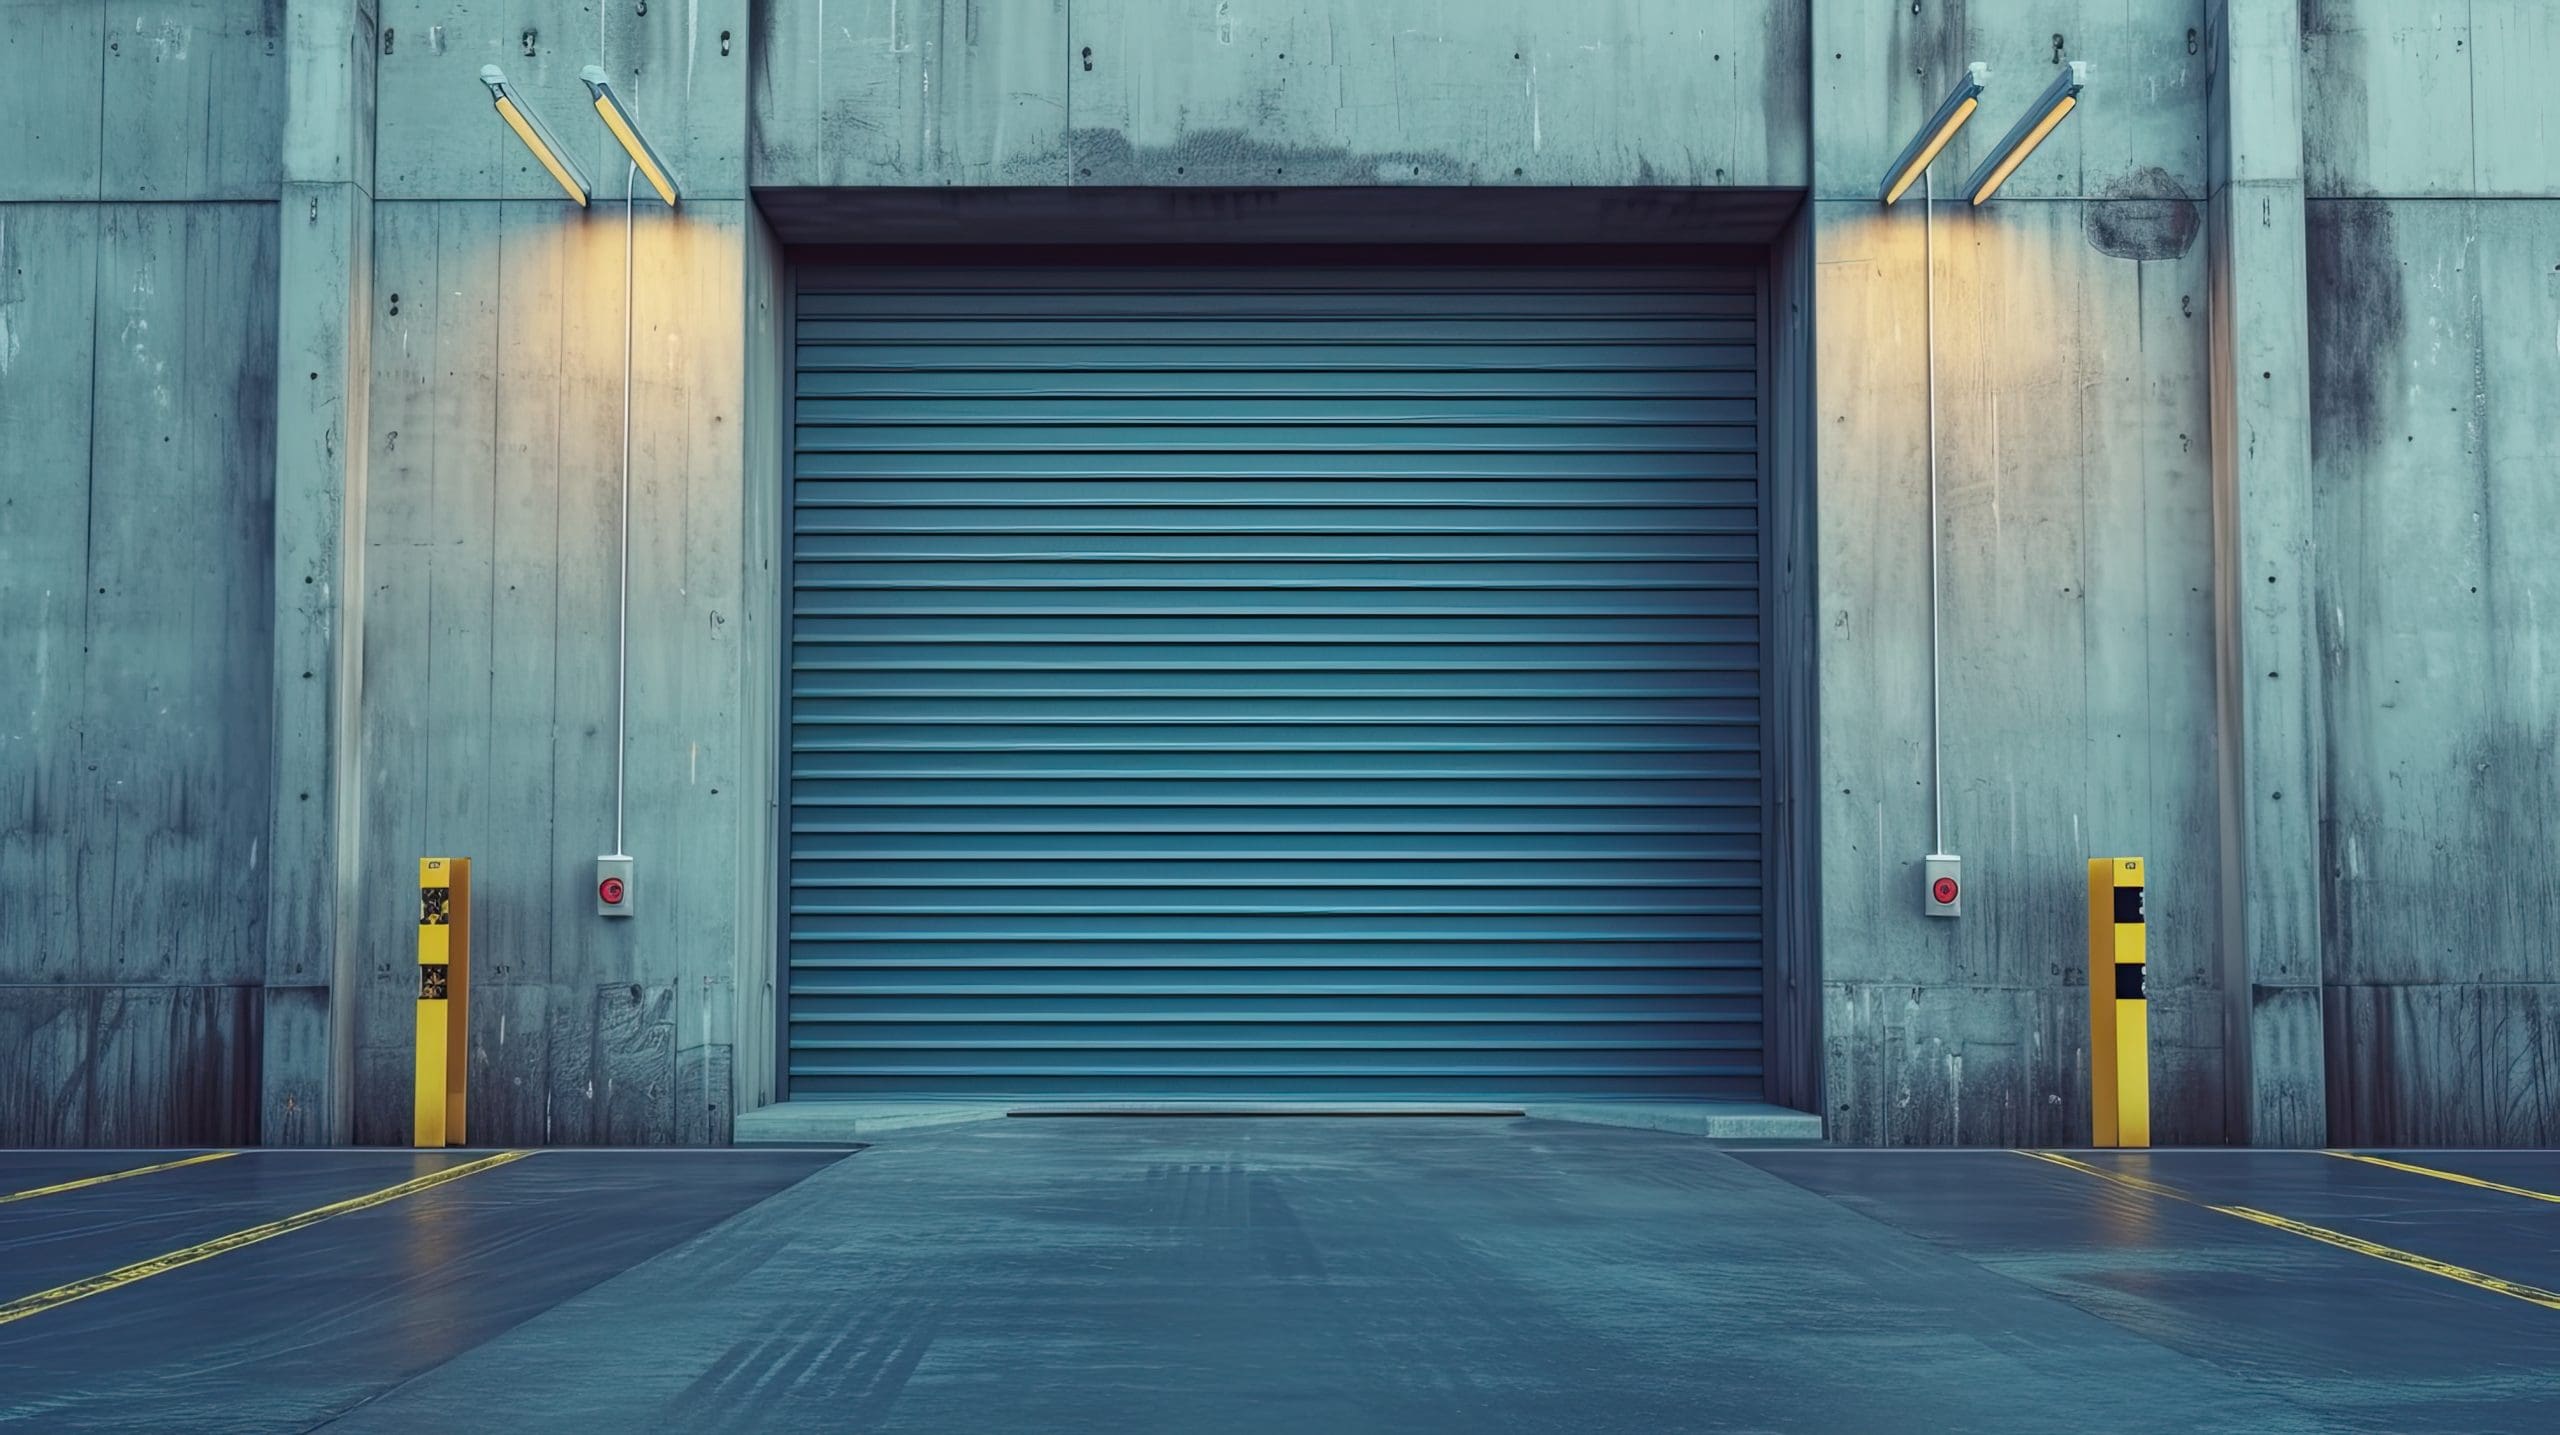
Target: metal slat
<point x="1275" y="684"/>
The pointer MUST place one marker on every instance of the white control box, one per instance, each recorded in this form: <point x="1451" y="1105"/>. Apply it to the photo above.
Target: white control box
<point x="613" y="886"/>
<point x="1942" y="885"/>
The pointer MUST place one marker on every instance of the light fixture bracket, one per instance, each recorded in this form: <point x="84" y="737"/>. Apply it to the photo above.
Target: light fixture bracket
<point x="1949" y="117"/>
<point x="626" y="132"/>
<point x="2057" y="101"/>
<point x="537" y="136"/>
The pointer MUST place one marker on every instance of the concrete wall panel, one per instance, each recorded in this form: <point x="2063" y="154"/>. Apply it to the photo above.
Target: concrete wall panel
<point x="2265" y="683"/>
<point x="1791" y="1013"/>
<point x="1311" y="92"/>
<point x="763" y="673"/>
<point x="1521" y="92"/>
<point x="2076" y="567"/>
<point x="141" y="99"/>
<point x="681" y="67"/>
<point x="910" y="92"/>
<point x="325" y="240"/>
<point x="1880" y="67"/>
<point x="161" y="746"/>
<point x="174" y="732"/>
<point x="48" y="327"/>
<point x="489" y="654"/>
<point x="2077" y="633"/>
<point x="2450" y="1064"/>
<point x="193" y="99"/>
<point x="2439" y="608"/>
<point x="54" y="54"/>
<point x="2430" y="101"/>
<point x="139" y="391"/>
<point x="116" y="1065"/>
<point x="137" y="414"/>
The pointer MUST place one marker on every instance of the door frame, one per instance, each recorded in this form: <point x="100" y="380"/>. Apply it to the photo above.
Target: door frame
<point x="1733" y="229"/>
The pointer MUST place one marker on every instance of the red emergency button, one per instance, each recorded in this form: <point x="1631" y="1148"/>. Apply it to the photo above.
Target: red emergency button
<point x="610" y="891"/>
<point x="1943" y="891"/>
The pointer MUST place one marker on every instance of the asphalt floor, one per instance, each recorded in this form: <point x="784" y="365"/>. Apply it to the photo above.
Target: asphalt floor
<point x="1281" y="1274"/>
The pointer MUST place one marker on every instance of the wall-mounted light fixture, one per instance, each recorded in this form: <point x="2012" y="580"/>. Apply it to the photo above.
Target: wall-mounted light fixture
<point x="614" y="877"/>
<point x="2058" y="100"/>
<point x="1952" y="112"/>
<point x="1913" y="167"/>
<point x="617" y="119"/>
<point x="536" y="135"/>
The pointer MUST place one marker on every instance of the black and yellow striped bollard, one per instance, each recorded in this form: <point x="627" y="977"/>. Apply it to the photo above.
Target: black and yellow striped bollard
<point x="444" y="997"/>
<point x="2119" y="1006"/>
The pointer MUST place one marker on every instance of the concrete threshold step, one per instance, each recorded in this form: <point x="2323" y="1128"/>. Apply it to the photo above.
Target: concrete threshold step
<point x="804" y="1123"/>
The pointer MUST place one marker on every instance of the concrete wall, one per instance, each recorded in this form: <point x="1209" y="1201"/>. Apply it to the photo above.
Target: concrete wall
<point x="307" y="540"/>
<point x="137" y="438"/>
<point x="2265" y="682"/>
<point x="2245" y="566"/>
<point x="2076" y="556"/>
<point x="1296" y="93"/>
<point x="2434" y="288"/>
<point x="490" y="533"/>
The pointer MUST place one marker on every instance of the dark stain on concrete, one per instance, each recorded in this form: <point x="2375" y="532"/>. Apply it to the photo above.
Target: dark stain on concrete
<point x="2143" y="215"/>
<point x="2336" y="156"/>
<point x="129" y="1065"/>
<point x="2358" y="319"/>
<point x="1234" y="157"/>
<point x="1914" y="70"/>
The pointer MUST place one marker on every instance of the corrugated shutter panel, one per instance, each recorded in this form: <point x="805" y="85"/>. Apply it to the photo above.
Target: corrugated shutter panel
<point x="1275" y="684"/>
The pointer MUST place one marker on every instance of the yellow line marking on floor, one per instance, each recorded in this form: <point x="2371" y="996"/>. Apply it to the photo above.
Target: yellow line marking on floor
<point x="62" y="1295"/>
<point x="87" y="1181"/>
<point x="2516" y="1290"/>
<point x="2549" y="1300"/>
<point x="2120" y="1178"/>
<point x="2454" y="1176"/>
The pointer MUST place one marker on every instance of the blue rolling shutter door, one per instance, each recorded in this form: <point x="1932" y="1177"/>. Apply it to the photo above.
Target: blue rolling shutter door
<point x="1275" y="684"/>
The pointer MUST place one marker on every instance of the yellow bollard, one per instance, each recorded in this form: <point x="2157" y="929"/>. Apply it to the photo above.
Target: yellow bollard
<point x="444" y="997"/>
<point x="2119" y="1006"/>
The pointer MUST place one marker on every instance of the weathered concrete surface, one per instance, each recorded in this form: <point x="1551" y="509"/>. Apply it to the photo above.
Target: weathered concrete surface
<point x="324" y="297"/>
<point x="494" y="449"/>
<point x="141" y="99"/>
<point x="1309" y="92"/>
<point x="128" y="1063"/>
<point x="2073" y="443"/>
<point x="1880" y="67"/>
<point x="2077" y="631"/>
<point x="137" y="351"/>
<point x="2434" y="294"/>
<point x="1284" y="1275"/>
<point x="1279" y="1275"/>
<point x="1791" y="994"/>
<point x="137" y="434"/>
<point x="2410" y="849"/>
<point x="2266" y="683"/>
<point x="756" y="962"/>
<point x="2357" y="1343"/>
<point x="815" y="1123"/>
<point x="2430" y="101"/>
<point x="490" y="532"/>
<point x="2439" y="642"/>
<point x="909" y="92"/>
<point x="681" y="65"/>
<point x="336" y="1313"/>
